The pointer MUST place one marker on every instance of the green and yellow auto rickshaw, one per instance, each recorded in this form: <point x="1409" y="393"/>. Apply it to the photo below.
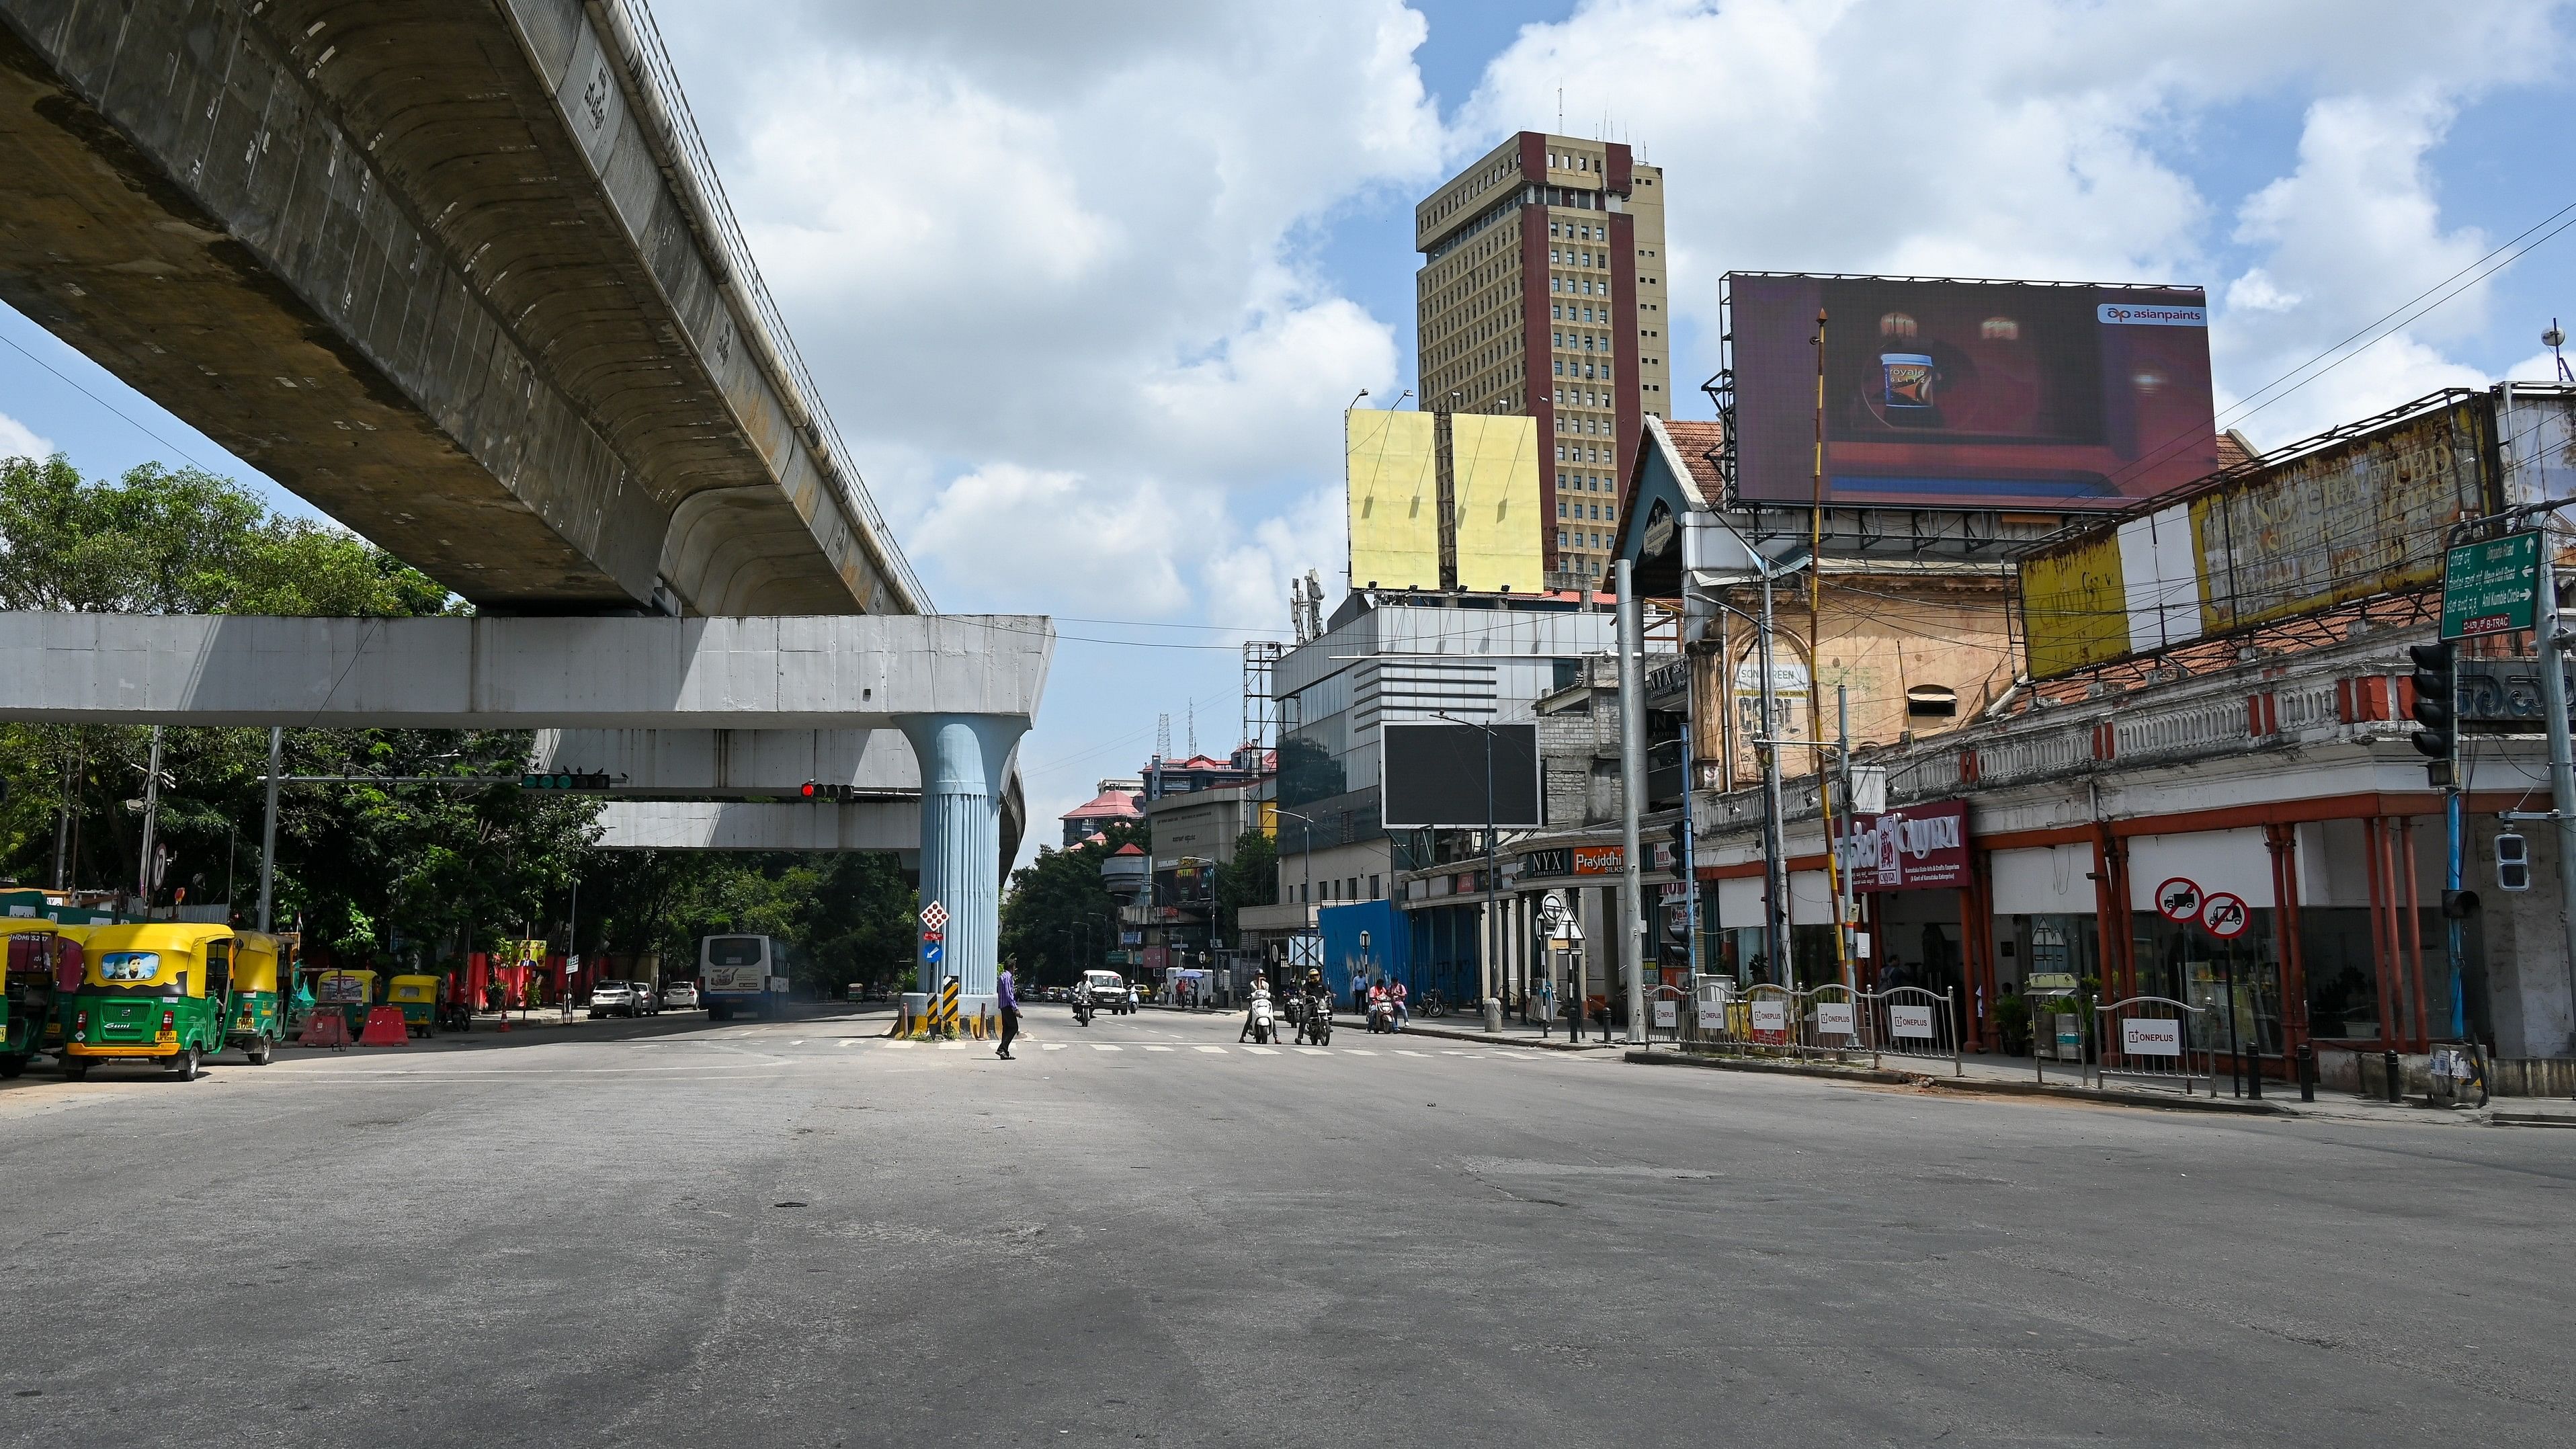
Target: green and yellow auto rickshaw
<point x="350" y="993"/>
<point x="40" y="956"/>
<point x="159" y="992"/>
<point x="420" y="998"/>
<point x="258" y="1014"/>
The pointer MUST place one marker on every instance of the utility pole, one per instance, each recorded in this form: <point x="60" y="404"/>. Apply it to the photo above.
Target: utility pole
<point x="151" y="815"/>
<point x="2562" y="753"/>
<point x="1632" y="794"/>
<point x="1775" y="854"/>
<point x="268" y="827"/>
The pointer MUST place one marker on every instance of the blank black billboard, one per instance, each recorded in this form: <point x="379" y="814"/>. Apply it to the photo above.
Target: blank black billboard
<point x="1434" y="775"/>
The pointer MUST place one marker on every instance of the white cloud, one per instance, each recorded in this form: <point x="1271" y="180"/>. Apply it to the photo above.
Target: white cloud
<point x="17" y="440"/>
<point x="2021" y="138"/>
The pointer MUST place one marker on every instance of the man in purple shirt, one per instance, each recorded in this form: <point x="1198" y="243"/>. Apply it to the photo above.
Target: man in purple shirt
<point x="1009" y="1000"/>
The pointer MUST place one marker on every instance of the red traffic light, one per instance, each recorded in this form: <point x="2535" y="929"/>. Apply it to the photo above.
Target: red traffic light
<point x="812" y="789"/>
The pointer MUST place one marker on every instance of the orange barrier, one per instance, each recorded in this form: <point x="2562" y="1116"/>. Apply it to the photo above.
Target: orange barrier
<point x="385" y="1028"/>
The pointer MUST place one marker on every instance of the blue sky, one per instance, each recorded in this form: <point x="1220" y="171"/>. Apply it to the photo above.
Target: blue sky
<point x="1089" y="292"/>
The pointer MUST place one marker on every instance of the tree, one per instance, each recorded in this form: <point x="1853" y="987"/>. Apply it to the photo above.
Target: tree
<point x="1058" y="916"/>
<point x="1250" y="879"/>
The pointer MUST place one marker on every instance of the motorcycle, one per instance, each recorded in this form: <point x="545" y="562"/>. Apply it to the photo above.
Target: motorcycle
<point x="1082" y="1011"/>
<point x="1316" y="1024"/>
<point x="1432" y="1004"/>
<point x="1264" y="1026"/>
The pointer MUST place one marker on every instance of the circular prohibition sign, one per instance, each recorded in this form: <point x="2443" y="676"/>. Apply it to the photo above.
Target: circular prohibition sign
<point x="2224" y="916"/>
<point x="2179" y="899"/>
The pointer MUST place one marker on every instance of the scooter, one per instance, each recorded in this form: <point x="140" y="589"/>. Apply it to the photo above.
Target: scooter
<point x="1382" y="1014"/>
<point x="1264" y="1026"/>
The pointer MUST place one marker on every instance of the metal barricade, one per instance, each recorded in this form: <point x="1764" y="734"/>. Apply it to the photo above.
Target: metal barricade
<point x="2149" y="1039"/>
<point x="1712" y="1023"/>
<point x="1913" y="1022"/>
<point x="1833" y="1023"/>
<point x="1771" y="1019"/>
<point x="1665" y="1008"/>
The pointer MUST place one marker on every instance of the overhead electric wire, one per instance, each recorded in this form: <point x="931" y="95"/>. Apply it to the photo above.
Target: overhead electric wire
<point x="102" y="402"/>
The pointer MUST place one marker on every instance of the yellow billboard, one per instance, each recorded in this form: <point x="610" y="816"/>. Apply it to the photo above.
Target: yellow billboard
<point x="2352" y="514"/>
<point x="1494" y="480"/>
<point x="1389" y="458"/>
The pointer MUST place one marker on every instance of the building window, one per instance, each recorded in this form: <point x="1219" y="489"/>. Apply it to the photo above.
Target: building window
<point x="1560" y="538"/>
<point x="1376" y="892"/>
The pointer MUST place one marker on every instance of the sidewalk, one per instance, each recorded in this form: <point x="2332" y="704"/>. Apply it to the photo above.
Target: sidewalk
<point x="2010" y="1077"/>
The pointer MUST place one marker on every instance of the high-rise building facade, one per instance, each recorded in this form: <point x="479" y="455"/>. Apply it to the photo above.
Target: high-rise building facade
<point x="1542" y="293"/>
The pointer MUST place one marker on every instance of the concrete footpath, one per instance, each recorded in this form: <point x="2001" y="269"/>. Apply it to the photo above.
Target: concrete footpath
<point x="1987" y="1078"/>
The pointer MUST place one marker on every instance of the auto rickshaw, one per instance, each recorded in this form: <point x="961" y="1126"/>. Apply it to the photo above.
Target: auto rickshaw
<point x="160" y="992"/>
<point x="37" y="953"/>
<point x="350" y="993"/>
<point x="258" y="1021"/>
<point x="420" y="998"/>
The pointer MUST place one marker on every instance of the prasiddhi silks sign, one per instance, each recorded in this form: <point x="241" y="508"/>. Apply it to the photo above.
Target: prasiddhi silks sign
<point x="1916" y="847"/>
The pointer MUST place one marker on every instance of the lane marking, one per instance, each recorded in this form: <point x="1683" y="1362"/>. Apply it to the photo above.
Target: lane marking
<point x="849" y="1041"/>
<point x="1218" y="1050"/>
<point x="1399" y="1051"/>
<point x="1050" y="1046"/>
<point x="1149" y="1046"/>
<point x="1358" y="1052"/>
<point x="900" y="1046"/>
<point x="952" y="1046"/>
<point x="1261" y="1051"/>
<point x="1310" y="1051"/>
<point x="1102" y="1046"/>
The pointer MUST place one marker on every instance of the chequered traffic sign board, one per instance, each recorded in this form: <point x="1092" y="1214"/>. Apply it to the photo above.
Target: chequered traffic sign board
<point x="935" y="916"/>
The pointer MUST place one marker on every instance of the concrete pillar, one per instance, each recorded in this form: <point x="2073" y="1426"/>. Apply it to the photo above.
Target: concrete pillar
<point x="962" y="759"/>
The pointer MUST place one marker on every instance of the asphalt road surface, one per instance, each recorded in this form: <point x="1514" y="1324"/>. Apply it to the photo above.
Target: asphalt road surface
<point x="668" y="1232"/>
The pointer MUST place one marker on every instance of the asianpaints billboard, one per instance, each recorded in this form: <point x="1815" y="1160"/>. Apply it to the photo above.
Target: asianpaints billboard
<point x="1959" y="394"/>
<point x="1916" y="847"/>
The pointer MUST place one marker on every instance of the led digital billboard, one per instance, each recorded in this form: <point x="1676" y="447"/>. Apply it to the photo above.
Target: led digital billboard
<point x="1433" y="775"/>
<point x="1959" y="394"/>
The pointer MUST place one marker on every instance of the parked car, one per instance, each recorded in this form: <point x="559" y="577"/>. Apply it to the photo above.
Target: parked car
<point x="680" y="996"/>
<point x="648" y="1002"/>
<point x="612" y="998"/>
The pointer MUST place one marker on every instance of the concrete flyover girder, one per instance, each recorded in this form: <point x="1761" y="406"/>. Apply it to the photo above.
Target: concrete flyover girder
<point x="719" y="765"/>
<point x="832" y="673"/>
<point x="454" y="273"/>
<point x="864" y="825"/>
<point x="734" y="764"/>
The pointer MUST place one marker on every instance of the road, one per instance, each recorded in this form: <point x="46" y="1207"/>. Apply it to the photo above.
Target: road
<point x="668" y="1232"/>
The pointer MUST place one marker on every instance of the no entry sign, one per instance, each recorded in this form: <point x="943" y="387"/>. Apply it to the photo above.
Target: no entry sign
<point x="2178" y="899"/>
<point x="2224" y="916"/>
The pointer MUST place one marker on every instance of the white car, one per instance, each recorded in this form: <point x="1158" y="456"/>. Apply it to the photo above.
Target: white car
<point x="1110" y="992"/>
<point x="680" y="996"/>
<point x="613" y="998"/>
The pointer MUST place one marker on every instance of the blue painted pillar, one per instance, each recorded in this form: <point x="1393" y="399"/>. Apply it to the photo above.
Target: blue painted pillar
<point x="962" y="758"/>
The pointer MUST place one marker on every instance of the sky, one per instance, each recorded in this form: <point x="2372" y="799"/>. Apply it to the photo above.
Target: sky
<point x="1088" y="287"/>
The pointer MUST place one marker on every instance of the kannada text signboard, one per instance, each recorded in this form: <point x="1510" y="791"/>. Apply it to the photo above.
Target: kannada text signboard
<point x="1913" y="847"/>
<point x="2491" y="587"/>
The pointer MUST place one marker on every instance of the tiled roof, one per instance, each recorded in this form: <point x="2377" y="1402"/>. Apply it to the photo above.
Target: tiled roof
<point x="1108" y="804"/>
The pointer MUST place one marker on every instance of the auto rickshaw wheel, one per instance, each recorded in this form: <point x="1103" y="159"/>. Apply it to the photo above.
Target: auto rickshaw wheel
<point x="11" y="1067"/>
<point x="262" y="1052"/>
<point x="75" y="1071"/>
<point x="184" y="1065"/>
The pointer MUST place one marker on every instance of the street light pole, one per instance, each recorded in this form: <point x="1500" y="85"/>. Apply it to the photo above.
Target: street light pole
<point x="1632" y="779"/>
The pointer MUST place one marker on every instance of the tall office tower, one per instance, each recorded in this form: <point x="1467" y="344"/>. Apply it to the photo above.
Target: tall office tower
<point x="1542" y="293"/>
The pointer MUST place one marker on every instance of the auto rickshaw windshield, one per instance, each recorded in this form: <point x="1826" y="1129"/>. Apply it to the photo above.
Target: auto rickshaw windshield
<point x="129" y="967"/>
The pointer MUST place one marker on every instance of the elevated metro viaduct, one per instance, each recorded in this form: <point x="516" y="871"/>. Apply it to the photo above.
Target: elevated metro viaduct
<point x="960" y="689"/>
<point x="462" y="276"/>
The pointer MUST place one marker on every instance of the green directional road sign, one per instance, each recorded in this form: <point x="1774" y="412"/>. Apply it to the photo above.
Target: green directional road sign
<point x="2491" y="587"/>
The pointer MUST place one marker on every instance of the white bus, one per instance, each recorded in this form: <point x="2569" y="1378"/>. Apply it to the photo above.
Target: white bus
<point x="742" y="974"/>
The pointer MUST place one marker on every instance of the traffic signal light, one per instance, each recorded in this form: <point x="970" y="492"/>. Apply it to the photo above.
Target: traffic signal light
<point x="2436" y="698"/>
<point x="2513" y="862"/>
<point x="836" y="794"/>
<point x="563" y="780"/>
<point x="1681" y="833"/>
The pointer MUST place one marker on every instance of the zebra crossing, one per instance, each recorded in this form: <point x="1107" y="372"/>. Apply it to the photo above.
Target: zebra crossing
<point x="1193" y="1051"/>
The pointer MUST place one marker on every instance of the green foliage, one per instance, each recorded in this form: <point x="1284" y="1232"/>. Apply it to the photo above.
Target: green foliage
<point x="1058" y="917"/>
<point x="1250" y="879"/>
